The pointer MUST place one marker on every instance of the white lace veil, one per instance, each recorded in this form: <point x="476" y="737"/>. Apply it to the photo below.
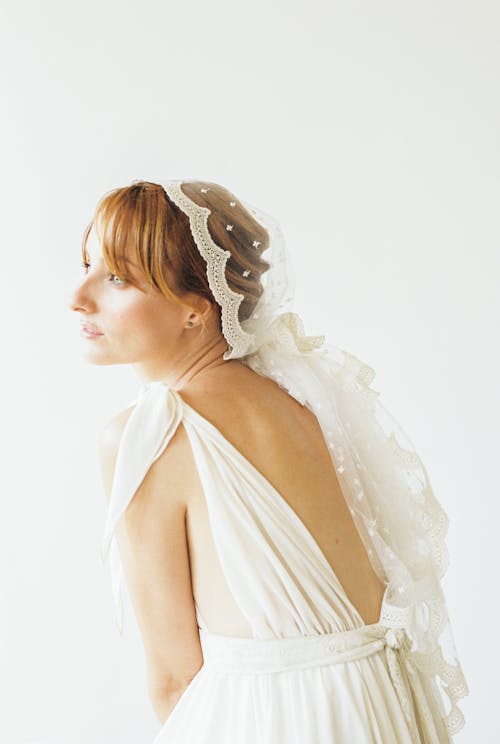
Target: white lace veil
<point x="384" y="482"/>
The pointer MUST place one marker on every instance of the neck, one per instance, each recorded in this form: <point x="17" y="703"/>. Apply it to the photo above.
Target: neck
<point x="196" y="369"/>
<point x="191" y="368"/>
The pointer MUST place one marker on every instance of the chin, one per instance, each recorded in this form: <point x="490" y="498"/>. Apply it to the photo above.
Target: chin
<point x="100" y="359"/>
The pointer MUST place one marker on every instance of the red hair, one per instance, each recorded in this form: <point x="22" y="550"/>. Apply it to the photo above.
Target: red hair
<point x="139" y="222"/>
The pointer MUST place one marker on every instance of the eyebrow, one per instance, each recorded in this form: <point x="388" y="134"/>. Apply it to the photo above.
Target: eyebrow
<point x="127" y="260"/>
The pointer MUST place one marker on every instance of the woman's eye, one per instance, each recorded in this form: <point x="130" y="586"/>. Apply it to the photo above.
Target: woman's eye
<point x="86" y="265"/>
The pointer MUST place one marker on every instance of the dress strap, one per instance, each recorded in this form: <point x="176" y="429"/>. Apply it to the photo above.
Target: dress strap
<point x="147" y="432"/>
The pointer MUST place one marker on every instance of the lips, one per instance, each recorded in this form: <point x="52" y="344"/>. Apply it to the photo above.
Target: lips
<point x="90" y="328"/>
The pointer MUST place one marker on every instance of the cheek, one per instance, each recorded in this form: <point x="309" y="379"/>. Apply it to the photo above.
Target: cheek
<point x="149" y="320"/>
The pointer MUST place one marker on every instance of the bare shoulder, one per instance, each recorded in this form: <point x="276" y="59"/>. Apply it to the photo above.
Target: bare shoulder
<point x="168" y="483"/>
<point x="173" y="467"/>
<point x="238" y="391"/>
<point x="113" y="429"/>
<point x="251" y="410"/>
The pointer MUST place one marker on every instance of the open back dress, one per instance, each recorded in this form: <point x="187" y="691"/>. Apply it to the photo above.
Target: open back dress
<point x="312" y="671"/>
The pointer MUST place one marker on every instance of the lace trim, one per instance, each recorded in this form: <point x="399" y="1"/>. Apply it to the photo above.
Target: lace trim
<point x="433" y="523"/>
<point x="387" y="487"/>
<point x="216" y="258"/>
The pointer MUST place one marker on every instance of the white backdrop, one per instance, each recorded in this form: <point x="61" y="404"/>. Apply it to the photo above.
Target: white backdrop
<point x="370" y="130"/>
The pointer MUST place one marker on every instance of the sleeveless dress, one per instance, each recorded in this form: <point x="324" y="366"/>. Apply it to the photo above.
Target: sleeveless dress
<point x="312" y="672"/>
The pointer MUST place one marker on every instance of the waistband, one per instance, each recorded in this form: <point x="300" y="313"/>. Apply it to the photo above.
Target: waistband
<point x="257" y="655"/>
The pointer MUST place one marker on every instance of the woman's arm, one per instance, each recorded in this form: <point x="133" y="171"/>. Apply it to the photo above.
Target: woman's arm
<point x="152" y="541"/>
<point x="164" y="702"/>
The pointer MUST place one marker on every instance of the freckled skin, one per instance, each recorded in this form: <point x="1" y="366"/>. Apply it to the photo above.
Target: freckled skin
<point x="142" y="327"/>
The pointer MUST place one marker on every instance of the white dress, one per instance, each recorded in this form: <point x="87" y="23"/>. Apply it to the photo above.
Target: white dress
<point x="312" y="672"/>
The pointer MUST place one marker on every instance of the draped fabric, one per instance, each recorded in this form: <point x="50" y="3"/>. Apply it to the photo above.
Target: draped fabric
<point x="397" y="680"/>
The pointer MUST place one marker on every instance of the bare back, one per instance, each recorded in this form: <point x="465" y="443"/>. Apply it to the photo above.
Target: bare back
<point x="283" y="440"/>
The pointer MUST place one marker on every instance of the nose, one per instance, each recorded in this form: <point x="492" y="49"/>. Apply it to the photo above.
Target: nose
<point x="84" y="295"/>
<point x="73" y="306"/>
<point x="74" y="303"/>
<point x="78" y="300"/>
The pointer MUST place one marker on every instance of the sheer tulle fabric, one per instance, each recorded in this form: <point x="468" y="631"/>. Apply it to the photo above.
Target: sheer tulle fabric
<point x="386" y="485"/>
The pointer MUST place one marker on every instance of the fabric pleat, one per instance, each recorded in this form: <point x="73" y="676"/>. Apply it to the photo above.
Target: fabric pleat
<point x="312" y="672"/>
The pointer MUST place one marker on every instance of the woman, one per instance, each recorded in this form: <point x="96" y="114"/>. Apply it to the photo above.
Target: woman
<point x="282" y="550"/>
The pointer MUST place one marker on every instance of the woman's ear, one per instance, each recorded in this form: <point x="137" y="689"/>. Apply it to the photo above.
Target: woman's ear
<point x="201" y="311"/>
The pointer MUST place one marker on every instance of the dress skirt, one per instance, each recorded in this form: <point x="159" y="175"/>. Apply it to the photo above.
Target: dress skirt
<point x="351" y="687"/>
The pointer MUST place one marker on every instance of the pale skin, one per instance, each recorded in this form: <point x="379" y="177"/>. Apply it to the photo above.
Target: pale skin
<point x="158" y="538"/>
